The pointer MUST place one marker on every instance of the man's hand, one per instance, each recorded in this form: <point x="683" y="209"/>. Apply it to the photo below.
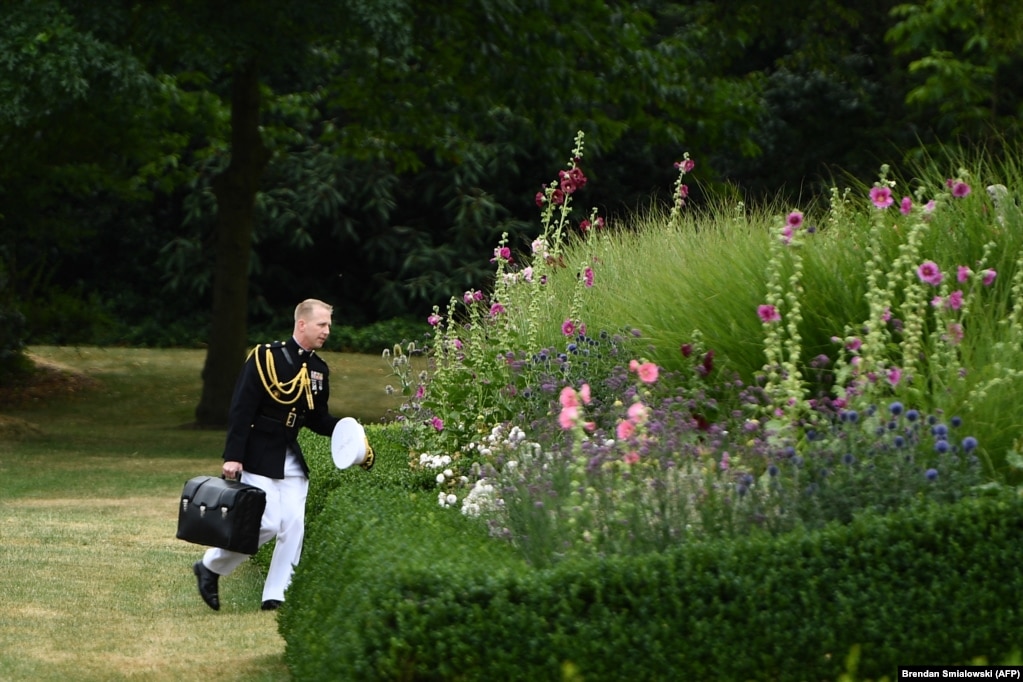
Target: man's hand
<point x="232" y="471"/>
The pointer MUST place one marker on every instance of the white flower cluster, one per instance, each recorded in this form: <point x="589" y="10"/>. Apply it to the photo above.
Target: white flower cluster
<point x="482" y="499"/>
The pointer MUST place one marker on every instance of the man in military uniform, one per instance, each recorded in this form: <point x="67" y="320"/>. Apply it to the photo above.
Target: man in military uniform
<point x="283" y="386"/>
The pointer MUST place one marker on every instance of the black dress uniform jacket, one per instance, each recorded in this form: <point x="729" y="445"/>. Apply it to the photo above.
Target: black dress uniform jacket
<point x="271" y="404"/>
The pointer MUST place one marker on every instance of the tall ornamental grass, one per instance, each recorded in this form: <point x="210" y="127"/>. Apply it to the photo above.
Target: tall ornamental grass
<point x="731" y="370"/>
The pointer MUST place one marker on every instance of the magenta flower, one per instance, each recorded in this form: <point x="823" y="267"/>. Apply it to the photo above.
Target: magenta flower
<point x="683" y="191"/>
<point x="557" y="197"/>
<point x="420" y="391"/>
<point x="894" y="376"/>
<point x="930" y="206"/>
<point x="853" y="344"/>
<point x="768" y="314"/>
<point x="906" y="207"/>
<point x="496" y="309"/>
<point x="930" y="273"/>
<point x="501" y="253"/>
<point x="963" y="273"/>
<point x="541" y="198"/>
<point x="960" y="189"/>
<point x="437" y="423"/>
<point x="584" y="226"/>
<point x="625" y="429"/>
<point x="647" y="372"/>
<point x="989" y="277"/>
<point x="881" y="196"/>
<point x="795" y="220"/>
<point x="955" y="300"/>
<point x="686" y="166"/>
<point x="588" y="277"/>
<point x="568" y="327"/>
<point x="686" y="349"/>
<point x="433" y="319"/>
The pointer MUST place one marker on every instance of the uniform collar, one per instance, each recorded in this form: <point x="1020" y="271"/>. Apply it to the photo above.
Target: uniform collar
<point x="298" y="348"/>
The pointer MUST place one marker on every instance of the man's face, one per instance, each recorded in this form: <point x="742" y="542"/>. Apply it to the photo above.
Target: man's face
<point x="314" y="329"/>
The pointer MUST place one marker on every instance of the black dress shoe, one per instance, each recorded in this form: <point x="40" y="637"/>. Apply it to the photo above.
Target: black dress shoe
<point x="207" y="580"/>
<point x="271" y="605"/>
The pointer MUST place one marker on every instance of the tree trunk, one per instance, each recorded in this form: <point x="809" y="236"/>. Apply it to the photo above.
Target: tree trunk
<point x="235" y="190"/>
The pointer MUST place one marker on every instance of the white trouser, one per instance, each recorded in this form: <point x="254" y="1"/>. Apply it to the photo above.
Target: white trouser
<point x="284" y="518"/>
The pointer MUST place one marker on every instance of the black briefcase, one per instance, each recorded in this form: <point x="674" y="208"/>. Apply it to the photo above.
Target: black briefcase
<point x="219" y="513"/>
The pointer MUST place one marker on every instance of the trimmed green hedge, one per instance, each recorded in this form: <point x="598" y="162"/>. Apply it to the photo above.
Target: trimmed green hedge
<point x="391" y="587"/>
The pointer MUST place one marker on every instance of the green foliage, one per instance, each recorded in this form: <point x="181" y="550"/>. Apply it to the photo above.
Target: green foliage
<point x="923" y="585"/>
<point x="965" y="63"/>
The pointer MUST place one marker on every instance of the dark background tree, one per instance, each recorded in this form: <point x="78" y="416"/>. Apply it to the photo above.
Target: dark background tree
<point x="164" y="160"/>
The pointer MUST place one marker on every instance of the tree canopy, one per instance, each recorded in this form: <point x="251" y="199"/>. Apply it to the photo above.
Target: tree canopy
<point x="181" y="171"/>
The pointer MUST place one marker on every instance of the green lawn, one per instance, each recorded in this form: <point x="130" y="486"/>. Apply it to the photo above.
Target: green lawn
<point x="95" y="585"/>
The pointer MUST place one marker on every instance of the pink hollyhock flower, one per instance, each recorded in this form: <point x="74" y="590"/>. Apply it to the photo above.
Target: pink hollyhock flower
<point x="578" y="177"/>
<point x="467" y="297"/>
<point x="584" y="226"/>
<point x="434" y="320"/>
<point x="633" y="365"/>
<point x="853" y="344"/>
<point x="955" y="300"/>
<point x="599" y="223"/>
<point x="906" y="207"/>
<point x="930" y="273"/>
<point x="631" y="457"/>
<point x="527" y="274"/>
<point x="588" y="277"/>
<point x="989" y="277"/>
<point x="584" y="394"/>
<point x="647" y="372"/>
<point x="795" y="220"/>
<point x="881" y="196"/>
<point x="437" y="423"/>
<point x="568" y="417"/>
<point x="685" y="166"/>
<point x="725" y="460"/>
<point x="496" y="309"/>
<point x="768" y="314"/>
<point x="686" y="349"/>
<point x="894" y="376"/>
<point x="929" y="207"/>
<point x="886" y="315"/>
<point x="963" y="273"/>
<point x="457" y="343"/>
<point x="568" y="397"/>
<point x="568" y="327"/>
<point x="625" y="429"/>
<point x="590" y="426"/>
<point x="420" y="391"/>
<point x="557" y="197"/>
<point x="637" y="413"/>
<point x="683" y="191"/>
<point x="541" y="198"/>
<point x="936" y="302"/>
<point x="960" y="189"/>
<point x="501" y="253"/>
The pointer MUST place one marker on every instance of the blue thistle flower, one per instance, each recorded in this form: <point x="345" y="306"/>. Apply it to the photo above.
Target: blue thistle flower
<point x="941" y="446"/>
<point x="969" y="444"/>
<point x="932" y="474"/>
<point x="939" y="430"/>
<point x="912" y="415"/>
<point x="899" y="442"/>
<point x="895" y="408"/>
<point x="957" y="422"/>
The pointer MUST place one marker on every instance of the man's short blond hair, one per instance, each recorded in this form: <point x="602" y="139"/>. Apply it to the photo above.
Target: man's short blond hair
<point x="306" y="307"/>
